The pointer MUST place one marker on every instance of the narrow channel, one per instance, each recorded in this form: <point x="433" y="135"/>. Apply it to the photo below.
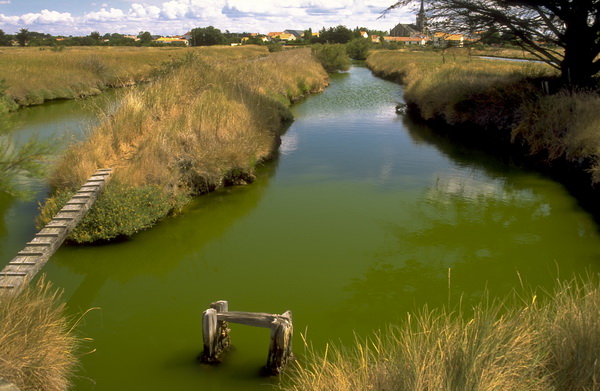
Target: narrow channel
<point x="363" y="216"/>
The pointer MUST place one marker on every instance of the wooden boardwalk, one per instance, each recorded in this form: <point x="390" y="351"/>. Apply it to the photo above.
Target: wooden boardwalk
<point x="29" y="261"/>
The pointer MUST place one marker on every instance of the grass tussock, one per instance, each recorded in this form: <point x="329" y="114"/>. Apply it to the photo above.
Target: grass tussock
<point x="563" y="126"/>
<point x="535" y="344"/>
<point x="204" y="124"/>
<point x="506" y="101"/>
<point x="37" y="342"/>
<point x="458" y="88"/>
<point x="33" y="76"/>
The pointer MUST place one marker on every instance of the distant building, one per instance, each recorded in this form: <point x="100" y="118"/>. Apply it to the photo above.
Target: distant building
<point x="173" y="40"/>
<point x="296" y="33"/>
<point x="419" y="28"/>
<point x="421" y="41"/>
<point x="445" y="39"/>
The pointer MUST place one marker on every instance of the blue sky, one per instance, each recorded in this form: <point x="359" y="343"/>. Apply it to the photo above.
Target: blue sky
<point x="173" y="17"/>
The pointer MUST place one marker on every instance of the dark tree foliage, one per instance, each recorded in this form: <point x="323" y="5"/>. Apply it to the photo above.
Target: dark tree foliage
<point x="23" y="37"/>
<point x="563" y="33"/>
<point x="145" y="38"/>
<point x="308" y="36"/>
<point x="339" y="34"/>
<point x="5" y="40"/>
<point x="207" y="36"/>
<point x="95" y="35"/>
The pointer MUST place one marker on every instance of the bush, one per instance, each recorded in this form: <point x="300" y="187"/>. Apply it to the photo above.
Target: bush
<point x="119" y="210"/>
<point x="358" y="49"/>
<point x="274" y="47"/>
<point x="332" y="57"/>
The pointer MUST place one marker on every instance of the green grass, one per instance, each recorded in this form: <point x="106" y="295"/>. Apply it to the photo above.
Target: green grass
<point x="525" y="342"/>
<point x="204" y="124"/>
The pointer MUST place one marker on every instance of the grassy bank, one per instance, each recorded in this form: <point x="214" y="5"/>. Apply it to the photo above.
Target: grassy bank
<point x="32" y="75"/>
<point x="509" y="102"/>
<point x="38" y="346"/>
<point x="205" y="123"/>
<point x="528" y="342"/>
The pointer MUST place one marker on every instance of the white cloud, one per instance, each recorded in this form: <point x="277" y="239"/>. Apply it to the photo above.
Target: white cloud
<point x="5" y="2"/>
<point x="144" y="11"/>
<point x="103" y="15"/>
<point x="9" y="19"/>
<point x="173" y="16"/>
<point x="175" y="9"/>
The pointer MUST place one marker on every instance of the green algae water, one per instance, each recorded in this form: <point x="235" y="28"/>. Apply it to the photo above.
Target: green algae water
<point x="363" y="216"/>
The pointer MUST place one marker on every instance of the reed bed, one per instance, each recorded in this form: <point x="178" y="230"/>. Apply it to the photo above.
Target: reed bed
<point x="33" y="76"/>
<point x="38" y="345"/>
<point x="204" y="124"/>
<point x="545" y="342"/>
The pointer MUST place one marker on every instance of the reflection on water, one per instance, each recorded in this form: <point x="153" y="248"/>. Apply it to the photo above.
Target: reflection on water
<point x="364" y="216"/>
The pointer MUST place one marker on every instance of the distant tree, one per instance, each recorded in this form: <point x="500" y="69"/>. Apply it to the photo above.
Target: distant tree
<point x="145" y="38"/>
<point x="23" y="37"/>
<point x="5" y="39"/>
<point x="358" y="30"/>
<point x="339" y="34"/>
<point x="95" y="35"/>
<point x="207" y="36"/>
<point x="538" y="26"/>
<point x="358" y="48"/>
<point x="308" y="35"/>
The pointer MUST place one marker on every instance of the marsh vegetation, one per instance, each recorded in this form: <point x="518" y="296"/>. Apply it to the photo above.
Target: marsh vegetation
<point x="205" y="123"/>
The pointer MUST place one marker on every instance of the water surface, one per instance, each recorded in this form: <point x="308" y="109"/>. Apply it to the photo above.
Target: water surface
<point x="363" y="216"/>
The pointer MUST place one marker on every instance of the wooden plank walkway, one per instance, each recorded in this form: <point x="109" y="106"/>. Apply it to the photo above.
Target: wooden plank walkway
<point x="29" y="261"/>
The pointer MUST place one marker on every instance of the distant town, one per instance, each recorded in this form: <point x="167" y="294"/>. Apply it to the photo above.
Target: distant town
<point x="401" y="35"/>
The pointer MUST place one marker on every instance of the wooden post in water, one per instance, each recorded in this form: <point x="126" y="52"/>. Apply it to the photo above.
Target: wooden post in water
<point x="215" y="334"/>
<point x="280" y="347"/>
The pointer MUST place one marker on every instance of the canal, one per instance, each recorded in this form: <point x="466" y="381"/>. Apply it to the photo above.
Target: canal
<point x="363" y="216"/>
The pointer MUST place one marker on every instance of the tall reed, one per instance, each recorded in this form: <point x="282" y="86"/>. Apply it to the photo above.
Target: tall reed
<point x="204" y="124"/>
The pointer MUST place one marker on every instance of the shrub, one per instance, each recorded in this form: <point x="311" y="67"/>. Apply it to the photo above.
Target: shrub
<point x="274" y="47"/>
<point x="332" y="57"/>
<point x="358" y="49"/>
<point x="120" y="210"/>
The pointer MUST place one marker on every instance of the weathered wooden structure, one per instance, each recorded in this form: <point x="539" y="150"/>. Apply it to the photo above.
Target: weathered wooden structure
<point x="29" y="261"/>
<point x="215" y="333"/>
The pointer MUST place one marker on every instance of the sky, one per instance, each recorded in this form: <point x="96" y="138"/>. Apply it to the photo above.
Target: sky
<point x="176" y="17"/>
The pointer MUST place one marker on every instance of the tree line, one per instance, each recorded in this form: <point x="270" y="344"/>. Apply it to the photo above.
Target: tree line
<point x="32" y="38"/>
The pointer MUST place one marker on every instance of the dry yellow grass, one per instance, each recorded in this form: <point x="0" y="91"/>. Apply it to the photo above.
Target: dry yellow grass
<point x="38" y="346"/>
<point x="549" y="343"/>
<point x="206" y="123"/>
<point x="32" y="75"/>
